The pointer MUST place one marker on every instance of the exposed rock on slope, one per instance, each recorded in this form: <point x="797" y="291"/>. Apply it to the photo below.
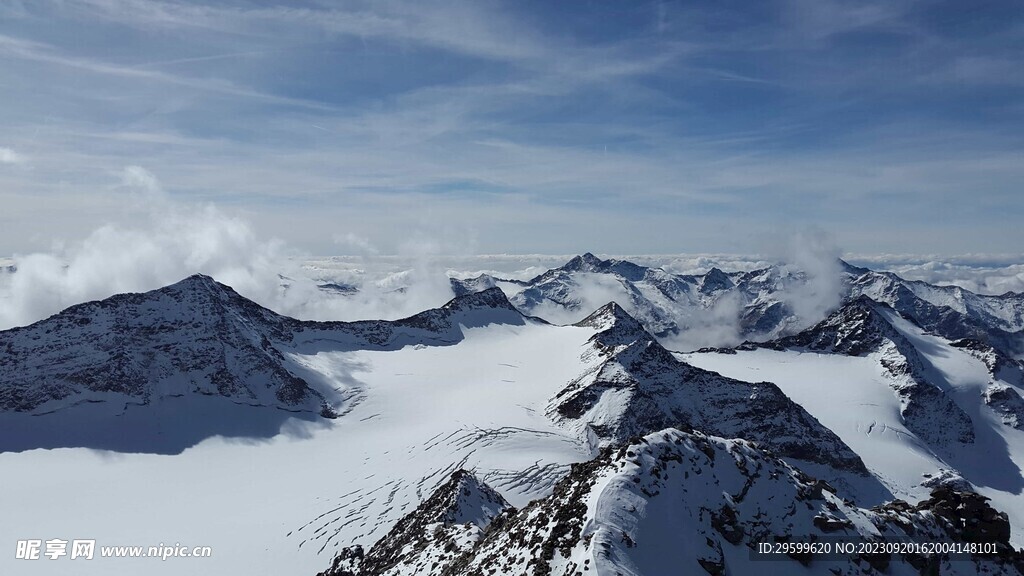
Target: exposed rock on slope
<point x="436" y="534"/>
<point x="861" y="327"/>
<point x="676" y="502"/>
<point x="193" y="337"/>
<point x="162" y="370"/>
<point x="635" y="386"/>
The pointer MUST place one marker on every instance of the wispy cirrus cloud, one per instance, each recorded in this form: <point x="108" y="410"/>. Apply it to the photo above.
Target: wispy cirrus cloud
<point x="649" y="127"/>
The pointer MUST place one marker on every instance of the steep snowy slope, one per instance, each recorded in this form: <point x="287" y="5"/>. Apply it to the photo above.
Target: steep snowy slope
<point x="921" y="411"/>
<point x="193" y="337"/>
<point x="635" y="386"/>
<point x="679" y="503"/>
<point x="863" y="327"/>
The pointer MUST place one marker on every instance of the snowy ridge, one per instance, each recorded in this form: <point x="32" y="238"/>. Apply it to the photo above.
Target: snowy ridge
<point x="438" y="326"/>
<point x="949" y="311"/>
<point x="861" y="327"/>
<point x="677" y="502"/>
<point x="760" y="302"/>
<point x="193" y="337"/>
<point x="436" y="533"/>
<point x="634" y="386"/>
<point x="133" y="365"/>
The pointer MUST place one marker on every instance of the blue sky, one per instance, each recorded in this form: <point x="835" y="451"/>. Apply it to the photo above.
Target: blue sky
<point x="620" y="127"/>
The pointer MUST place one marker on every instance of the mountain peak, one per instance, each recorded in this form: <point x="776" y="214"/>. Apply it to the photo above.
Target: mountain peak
<point x="608" y="316"/>
<point x="851" y="269"/>
<point x="196" y="283"/>
<point x="855" y="328"/>
<point x="715" y="280"/>
<point x="585" y="263"/>
<point x="492" y="297"/>
<point x="470" y="500"/>
<point x="195" y="280"/>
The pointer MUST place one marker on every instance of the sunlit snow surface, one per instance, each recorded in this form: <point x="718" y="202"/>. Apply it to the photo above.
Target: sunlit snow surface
<point x="852" y="397"/>
<point x="283" y="506"/>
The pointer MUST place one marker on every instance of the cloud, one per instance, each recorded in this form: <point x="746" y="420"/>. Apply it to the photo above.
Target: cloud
<point x="658" y="128"/>
<point x="992" y="274"/>
<point x="137" y="177"/>
<point x="812" y="257"/>
<point x="8" y="156"/>
<point x="172" y="240"/>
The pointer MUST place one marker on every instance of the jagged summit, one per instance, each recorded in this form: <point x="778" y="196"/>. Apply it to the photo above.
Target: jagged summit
<point x="608" y="315"/>
<point x="465" y="499"/>
<point x="584" y="263"/>
<point x="851" y="269"/>
<point x="492" y="297"/>
<point x="856" y="328"/>
<point x="616" y="327"/>
<point x="442" y="528"/>
<point x="715" y="280"/>
<point x="673" y="502"/>
<point x="200" y="286"/>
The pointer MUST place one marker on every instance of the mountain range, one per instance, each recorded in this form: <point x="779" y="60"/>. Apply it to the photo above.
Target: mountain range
<point x="489" y="434"/>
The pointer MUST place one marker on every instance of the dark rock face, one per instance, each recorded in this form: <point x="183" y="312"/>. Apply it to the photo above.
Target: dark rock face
<point x="859" y="328"/>
<point x="639" y="387"/>
<point x="1007" y="403"/>
<point x="193" y="337"/>
<point x="436" y="534"/>
<point x="338" y="288"/>
<point x="978" y="319"/>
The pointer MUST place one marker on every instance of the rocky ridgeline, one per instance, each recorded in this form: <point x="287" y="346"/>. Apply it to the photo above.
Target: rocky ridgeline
<point x="678" y="502"/>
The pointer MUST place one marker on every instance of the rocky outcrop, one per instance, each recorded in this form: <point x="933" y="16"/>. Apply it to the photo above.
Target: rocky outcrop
<point x="635" y="386"/>
<point x="677" y="502"/>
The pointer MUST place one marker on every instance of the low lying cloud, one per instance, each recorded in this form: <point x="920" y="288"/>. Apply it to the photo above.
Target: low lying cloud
<point x="174" y="240"/>
<point x="812" y="257"/>
<point x="992" y="274"/>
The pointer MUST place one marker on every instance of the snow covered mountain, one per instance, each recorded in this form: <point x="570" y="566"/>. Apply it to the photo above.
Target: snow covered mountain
<point x="921" y="410"/>
<point x="685" y="503"/>
<point x="148" y="358"/>
<point x="719" y="307"/>
<point x="664" y="303"/>
<point x="634" y="386"/>
<point x="193" y="337"/>
<point x="406" y="447"/>
<point x="862" y="327"/>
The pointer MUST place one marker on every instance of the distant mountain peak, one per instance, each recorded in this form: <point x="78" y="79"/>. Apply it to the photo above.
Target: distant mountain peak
<point x="715" y="280"/>
<point x="194" y="282"/>
<point x="492" y="297"/>
<point x="611" y="315"/>
<point x="584" y="263"/>
<point x="855" y="328"/>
